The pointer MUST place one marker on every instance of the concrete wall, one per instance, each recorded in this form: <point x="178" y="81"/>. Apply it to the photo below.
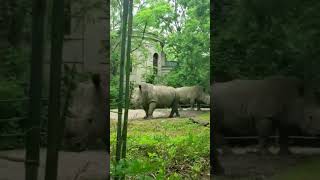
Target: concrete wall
<point x="84" y="46"/>
<point x="146" y="63"/>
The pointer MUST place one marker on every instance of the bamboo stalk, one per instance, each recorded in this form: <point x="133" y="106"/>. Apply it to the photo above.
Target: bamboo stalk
<point x="37" y="55"/>
<point x="120" y="97"/>
<point x="127" y="98"/>
<point x="54" y="120"/>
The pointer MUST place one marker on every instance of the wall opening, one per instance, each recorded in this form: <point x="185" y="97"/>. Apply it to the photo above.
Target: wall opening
<point x="155" y="63"/>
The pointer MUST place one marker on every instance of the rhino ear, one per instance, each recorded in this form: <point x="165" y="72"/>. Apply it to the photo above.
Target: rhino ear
<point x="96" y="80"/>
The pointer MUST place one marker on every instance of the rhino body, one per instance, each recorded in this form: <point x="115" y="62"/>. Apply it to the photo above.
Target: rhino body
<point x="193" y="95"/>
<point x="150" y="97"/>
<point x="255" y="106"/>
<point x="86" y="121"/>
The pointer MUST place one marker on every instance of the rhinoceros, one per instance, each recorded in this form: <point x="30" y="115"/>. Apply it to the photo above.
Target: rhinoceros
<point x="86" y="121"/>
<point x="150" y="97"/>
<point x="242" y="106"/>
<point x="192" y="95"/>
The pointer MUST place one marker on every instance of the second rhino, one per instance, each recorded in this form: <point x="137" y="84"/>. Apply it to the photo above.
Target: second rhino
<point x="193" y="95"/>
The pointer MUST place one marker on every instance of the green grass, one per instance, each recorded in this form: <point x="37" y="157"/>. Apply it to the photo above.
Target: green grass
<point x="164" y="149"/>
<point x="306" y="170"/>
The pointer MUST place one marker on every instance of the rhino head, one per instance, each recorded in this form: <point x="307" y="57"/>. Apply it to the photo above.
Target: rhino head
<point x="311" y="123"/>
<point x="139" y="95"/>
<point x="311" y="120"/>
<point x="305" y="112"/>
<point x="205" y="98"/>
<point x="135" y="101"/>
<point x="87" y="113"/>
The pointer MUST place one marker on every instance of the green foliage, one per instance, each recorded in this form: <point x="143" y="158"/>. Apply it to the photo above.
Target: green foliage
<point x="8" y="110"/>
<point x="14" y="64"/>
<point x="13" y="70"/>
<point x="190" y="47"/>
<point x="10" y="90"/>
<point x="181" y="27"/>
<point x="153" y="15"/>
<point x="165" y="149"/>
<point x="259" y="38"/>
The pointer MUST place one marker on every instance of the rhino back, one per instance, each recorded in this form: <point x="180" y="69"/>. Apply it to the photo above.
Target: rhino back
<point x="230" y="101"/>
<point x="164" y="96"/>
<point x="188" y="93"/>
<point x="243" y="100"/>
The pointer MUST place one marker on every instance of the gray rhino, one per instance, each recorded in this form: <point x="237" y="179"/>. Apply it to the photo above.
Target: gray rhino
<point x="86" y="122"/>
<point x="193" y="95"/>
<point x="242" y="106"/>
<point x="150" y="97"/>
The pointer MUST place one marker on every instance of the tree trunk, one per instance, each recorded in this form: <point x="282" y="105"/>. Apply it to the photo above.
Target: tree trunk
<point x="33" y="130"/>
<point x="54" y="121"/>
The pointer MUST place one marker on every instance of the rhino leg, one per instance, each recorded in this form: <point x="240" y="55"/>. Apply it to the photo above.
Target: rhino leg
<point x="198" y="106"/>
<point x="192" y="102"/>
<point x="146" y="108"/>
<point x="175" y="110"/>
<point x="283" y="141"/>
<point x="263" y="128"/>
<point x="152" y="107"/>
<point x="216" y="167"/>
<point x="222" y="143"/>
<point x="171" y="113"/>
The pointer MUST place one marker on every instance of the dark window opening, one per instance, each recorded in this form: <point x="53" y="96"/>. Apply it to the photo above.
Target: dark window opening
<point x="155" y="63"/>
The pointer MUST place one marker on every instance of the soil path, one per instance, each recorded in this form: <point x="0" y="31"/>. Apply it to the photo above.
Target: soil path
<point x="87" y="165"/>
<point x="242" y="164"/>
<point x="158" y="113"/>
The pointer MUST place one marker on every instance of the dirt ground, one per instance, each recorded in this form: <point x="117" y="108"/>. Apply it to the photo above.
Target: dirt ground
<point x="243" y="163"/>
<point x="158" y="113"/>
<point x="86" y="165"/>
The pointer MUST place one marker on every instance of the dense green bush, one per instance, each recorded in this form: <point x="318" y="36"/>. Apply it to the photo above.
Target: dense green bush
<point x="9" y="110"/>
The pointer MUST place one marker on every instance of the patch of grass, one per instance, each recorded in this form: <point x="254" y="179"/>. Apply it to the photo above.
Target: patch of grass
<point x="306" y="170"/>
<point x="164" y="149"/>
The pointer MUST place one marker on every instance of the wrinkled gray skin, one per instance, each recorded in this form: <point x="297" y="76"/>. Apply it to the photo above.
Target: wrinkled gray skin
<point x="150" y="97"/>
<point x="86" y="123"/>
<point x="193" y="95"/>
<point x="242" y="106"/>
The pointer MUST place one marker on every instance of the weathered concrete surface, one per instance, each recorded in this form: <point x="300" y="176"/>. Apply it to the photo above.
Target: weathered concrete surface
<point x="87" y="165"/>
